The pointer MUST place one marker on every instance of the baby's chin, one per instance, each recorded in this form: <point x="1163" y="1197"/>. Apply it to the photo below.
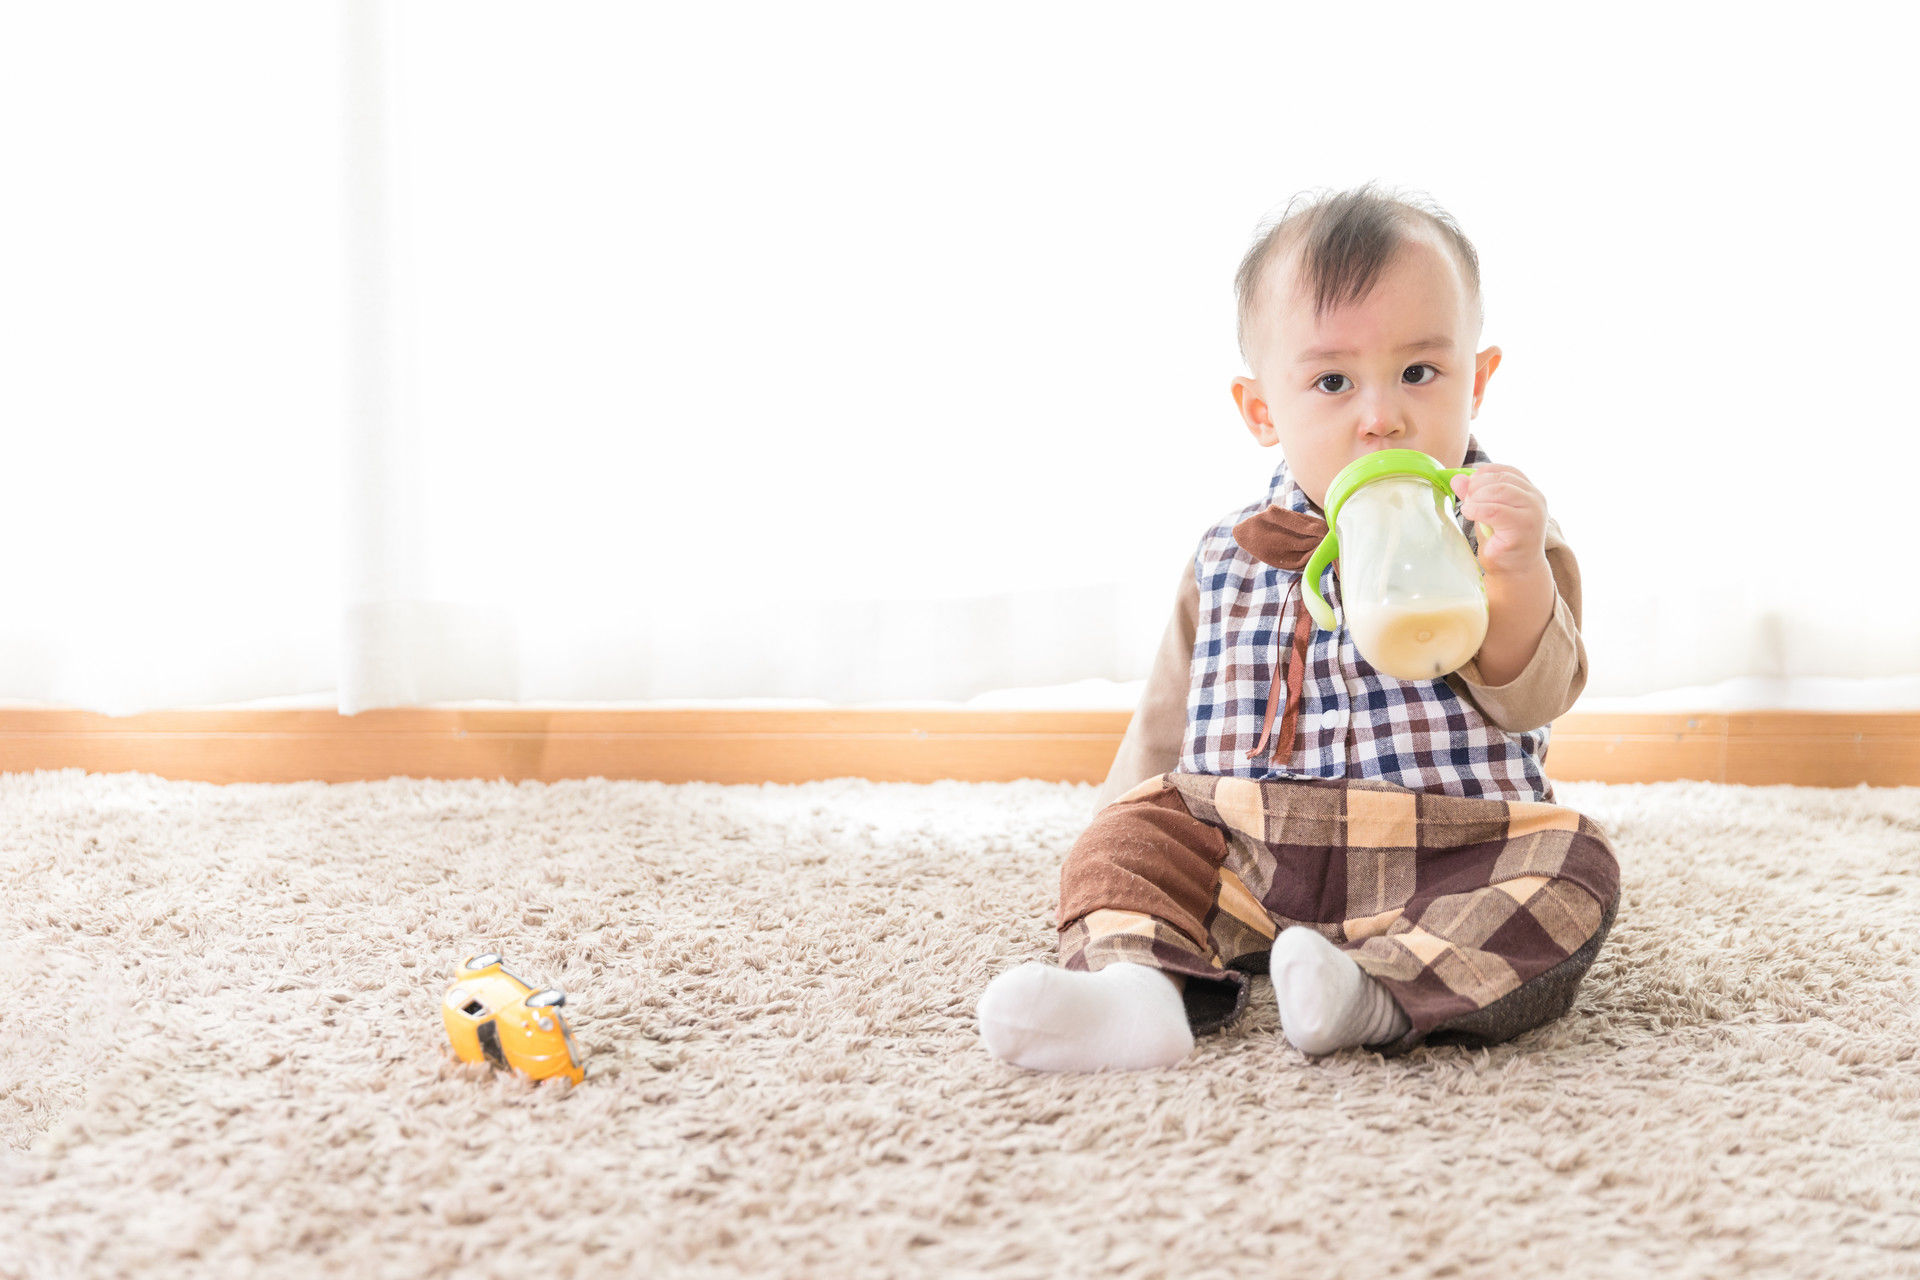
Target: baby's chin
<point x="1447" y="454"/>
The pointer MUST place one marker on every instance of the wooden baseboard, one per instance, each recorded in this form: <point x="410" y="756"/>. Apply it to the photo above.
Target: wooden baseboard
<point x="1762" y="748"/>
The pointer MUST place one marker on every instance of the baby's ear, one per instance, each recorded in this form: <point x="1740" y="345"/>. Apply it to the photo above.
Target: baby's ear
<point x="1248" y="398"/>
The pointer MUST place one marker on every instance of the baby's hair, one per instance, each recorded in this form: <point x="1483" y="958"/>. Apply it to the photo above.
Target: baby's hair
<point x="1348" y="238"/>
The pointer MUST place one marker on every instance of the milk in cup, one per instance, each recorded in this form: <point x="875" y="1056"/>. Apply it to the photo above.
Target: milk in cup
<point x="1418" y="644"/>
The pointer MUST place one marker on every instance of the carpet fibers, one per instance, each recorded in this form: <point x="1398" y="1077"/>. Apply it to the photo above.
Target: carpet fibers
<point x="222" y="1051"/>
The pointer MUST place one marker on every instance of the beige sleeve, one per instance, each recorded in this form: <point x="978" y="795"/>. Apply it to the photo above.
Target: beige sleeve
<point x="1156" y="736"/>
<point x="1548" y="686"/>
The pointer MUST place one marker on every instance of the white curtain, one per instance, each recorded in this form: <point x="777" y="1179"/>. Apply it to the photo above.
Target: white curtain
<point x="594" y="352"/>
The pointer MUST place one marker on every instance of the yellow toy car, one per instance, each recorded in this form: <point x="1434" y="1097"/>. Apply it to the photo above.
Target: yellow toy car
<point x="494" y="1017"/>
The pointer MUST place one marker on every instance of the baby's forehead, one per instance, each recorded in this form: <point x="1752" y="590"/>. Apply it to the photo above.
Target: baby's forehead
<point x="1291" y="307"/>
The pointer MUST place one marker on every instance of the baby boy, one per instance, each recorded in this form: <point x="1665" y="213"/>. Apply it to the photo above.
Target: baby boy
<point x="1388" y="850"/>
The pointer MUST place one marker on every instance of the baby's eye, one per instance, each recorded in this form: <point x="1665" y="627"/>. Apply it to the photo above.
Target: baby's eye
<point x="1321" y="381"/>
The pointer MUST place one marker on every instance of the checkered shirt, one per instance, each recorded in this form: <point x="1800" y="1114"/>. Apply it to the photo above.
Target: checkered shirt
<point x="1354" y="722"/>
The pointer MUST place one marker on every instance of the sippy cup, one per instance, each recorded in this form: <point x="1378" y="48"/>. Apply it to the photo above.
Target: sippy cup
<point x="1415" y="603"/>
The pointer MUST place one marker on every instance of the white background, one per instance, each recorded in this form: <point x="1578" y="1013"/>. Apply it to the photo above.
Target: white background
<point x="866" y="352"/>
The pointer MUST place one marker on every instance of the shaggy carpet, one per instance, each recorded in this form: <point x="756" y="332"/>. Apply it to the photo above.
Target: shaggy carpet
<point x="222" y="1054"/>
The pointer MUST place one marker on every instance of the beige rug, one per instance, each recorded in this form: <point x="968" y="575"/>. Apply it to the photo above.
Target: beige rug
<point x="223" y="1054"/>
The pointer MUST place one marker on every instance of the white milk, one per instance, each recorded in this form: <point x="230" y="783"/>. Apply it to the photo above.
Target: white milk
<point x="1424" y="641"/>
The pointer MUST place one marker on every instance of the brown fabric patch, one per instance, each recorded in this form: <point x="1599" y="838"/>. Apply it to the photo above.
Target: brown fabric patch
<point x="1148" y="855"/>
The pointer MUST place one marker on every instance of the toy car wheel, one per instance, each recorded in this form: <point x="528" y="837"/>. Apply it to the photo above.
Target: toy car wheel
<point x="546" y="997"/>
<point x="481" y="961"/>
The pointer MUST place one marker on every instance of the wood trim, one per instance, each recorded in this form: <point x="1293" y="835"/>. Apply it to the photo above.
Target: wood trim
<point x="730" y="745"/>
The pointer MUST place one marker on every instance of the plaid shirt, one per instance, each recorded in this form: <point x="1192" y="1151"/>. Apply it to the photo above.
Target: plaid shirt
<point x="1353" y="722"/>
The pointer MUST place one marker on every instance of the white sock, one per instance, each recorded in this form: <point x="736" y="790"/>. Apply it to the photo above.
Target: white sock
<point x="1328" y="1002"/>
<point x="1125" y="1017"/>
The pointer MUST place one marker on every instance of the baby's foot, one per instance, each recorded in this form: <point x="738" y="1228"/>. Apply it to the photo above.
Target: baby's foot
<point x="1328" y="1002"/>
<point x="1125" y="1017"/>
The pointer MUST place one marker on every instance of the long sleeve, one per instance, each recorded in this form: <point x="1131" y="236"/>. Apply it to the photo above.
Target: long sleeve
<point x="1156" y="736"/>
<point x="1554" y="678"/>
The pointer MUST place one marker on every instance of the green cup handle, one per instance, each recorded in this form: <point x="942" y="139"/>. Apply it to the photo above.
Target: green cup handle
<point x="1310" y="584"/>
<point x="1446" y="478"/>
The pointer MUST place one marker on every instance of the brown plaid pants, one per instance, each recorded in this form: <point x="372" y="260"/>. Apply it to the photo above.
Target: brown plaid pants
<point x="1478" y="915"/>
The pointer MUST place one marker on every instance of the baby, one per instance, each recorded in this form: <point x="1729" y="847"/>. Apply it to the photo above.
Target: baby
<point x="1389" y="850"/>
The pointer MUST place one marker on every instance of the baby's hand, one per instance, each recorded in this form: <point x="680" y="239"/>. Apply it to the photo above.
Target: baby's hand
<point x="1513" y="519"/>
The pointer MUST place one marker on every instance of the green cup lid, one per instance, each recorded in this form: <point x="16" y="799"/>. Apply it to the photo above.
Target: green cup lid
<point x="1389" y="462"/>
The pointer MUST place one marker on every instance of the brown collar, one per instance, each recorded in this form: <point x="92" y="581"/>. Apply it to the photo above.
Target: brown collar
<point x="1282" y="538"/>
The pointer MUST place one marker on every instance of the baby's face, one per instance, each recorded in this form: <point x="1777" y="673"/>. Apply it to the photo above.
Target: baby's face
<point x="1408" y="377"/>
